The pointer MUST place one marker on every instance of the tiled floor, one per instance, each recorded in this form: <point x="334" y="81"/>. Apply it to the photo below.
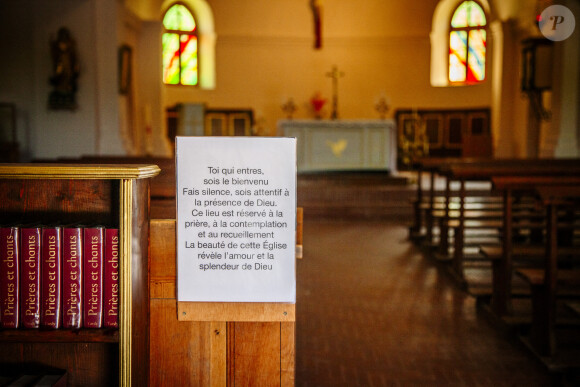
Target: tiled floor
<point x="372" y="311"/>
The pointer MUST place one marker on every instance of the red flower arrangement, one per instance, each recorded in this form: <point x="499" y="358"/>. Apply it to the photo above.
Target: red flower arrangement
<point x="317" y="103"/>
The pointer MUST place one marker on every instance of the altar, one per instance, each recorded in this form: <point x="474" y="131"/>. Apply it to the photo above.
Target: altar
<point x="343" y="145"/>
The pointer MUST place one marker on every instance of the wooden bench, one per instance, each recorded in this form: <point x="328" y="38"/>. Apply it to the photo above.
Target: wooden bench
<point x="503" y="268"/>
<point x="212" y="353"/>
<point x="162" y="186"/>
<point x="162" y="189"/>
<point x="251" y="351"/>
<point x="424" y="201"/>
<point x="550" y="281"/>
<point x="485" y="172"/>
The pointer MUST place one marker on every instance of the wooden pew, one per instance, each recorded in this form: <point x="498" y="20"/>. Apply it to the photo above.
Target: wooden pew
<point x="162" y="191"/>
<point x="204" y="353"/>
<point x="485" y="172"/>
<point x="550" y="281"/>
<point x="211" y="353"/>
<point x="502" y="265"/>
<point x="424" y="201"/>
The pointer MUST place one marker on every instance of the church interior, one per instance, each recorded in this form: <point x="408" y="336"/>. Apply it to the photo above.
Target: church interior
<point x="438" y="171"/>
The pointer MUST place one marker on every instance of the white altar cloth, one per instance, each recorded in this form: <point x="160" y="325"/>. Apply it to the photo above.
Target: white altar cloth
<point x="336" y="145"/>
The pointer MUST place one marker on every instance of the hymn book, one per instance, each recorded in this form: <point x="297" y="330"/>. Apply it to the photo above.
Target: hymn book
<point x="9" y="277"/>
<point x="30" y="277"/>
<point x="111" y="279"/>
<point x="93" y="277"/>
<point x="72" y="254"/>
<point x="50" y="278"/>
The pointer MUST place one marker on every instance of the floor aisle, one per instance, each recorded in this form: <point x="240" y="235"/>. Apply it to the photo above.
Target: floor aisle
<point x="372" y="311"/>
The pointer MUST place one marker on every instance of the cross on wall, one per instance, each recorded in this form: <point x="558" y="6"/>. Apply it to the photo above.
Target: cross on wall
<point x="334" y="74"/>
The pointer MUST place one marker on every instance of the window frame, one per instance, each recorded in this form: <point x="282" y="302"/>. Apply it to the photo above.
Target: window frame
<point x="181" y="33"/>
<point x="467" y="29"/>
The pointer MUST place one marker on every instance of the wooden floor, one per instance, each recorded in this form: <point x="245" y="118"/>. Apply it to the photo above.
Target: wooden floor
<point x="373" y="311"/>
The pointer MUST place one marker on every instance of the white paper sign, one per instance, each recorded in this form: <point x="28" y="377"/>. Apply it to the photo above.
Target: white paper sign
<point x="236" y="219"/>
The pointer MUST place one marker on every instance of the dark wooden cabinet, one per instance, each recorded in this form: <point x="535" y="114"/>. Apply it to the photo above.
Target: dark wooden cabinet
<point x="449" y="133"/>
<point x="228" y="122"/>
<point x="110" y="195"/>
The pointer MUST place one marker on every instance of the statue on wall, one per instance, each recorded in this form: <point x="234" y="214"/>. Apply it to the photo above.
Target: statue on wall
<point x="65" y="71"/>
<point x="316" y="7"/>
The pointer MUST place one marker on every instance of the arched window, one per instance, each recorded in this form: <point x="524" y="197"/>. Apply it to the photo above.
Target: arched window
<point x="467" y="44"/>
<point x="180" y="47"/>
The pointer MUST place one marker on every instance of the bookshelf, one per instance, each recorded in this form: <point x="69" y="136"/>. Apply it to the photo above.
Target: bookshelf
<point x="112" y="195"/>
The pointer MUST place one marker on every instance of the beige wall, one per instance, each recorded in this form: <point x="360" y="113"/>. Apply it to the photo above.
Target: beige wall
<point x="265" y="56"/>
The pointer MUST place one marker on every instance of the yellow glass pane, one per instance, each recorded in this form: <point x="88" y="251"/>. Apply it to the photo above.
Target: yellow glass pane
<point x="189" y="60"/>
<point x="457" y="56"/>
<point x="170" y="44"/>
<point x="468" y="14"/>
<point x="476" y="57"/>
<point x="178" y="18"/>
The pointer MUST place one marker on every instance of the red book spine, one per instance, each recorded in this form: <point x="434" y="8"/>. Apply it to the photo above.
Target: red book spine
<point x="50" y="278"/>
<point x="111" y="280"/>
<point x="93" y="277"/>
<point x="72" y="260"/>
<point x="9" y="277"/>
<point x="30" y="277"/>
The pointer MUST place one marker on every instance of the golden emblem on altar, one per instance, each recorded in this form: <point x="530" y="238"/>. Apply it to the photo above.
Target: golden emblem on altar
<point x="337" y="147"/>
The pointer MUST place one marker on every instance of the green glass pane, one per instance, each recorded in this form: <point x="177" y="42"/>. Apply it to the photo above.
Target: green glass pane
<point x="189" y="60"/>
<point x="170" y="58"/>
<point x="178" y="18"/>
<point x="476" y="56"/>
<point x="476" y="16"/>
<point x="457" y="56"/>
<point x="468" y="14"/>
<point x="459" y="18"/>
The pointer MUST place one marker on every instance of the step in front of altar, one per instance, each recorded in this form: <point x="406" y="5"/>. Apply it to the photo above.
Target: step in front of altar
<point x="348" y="195"/>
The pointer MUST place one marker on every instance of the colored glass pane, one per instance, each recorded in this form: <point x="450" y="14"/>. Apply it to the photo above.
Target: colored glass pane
<point x="460" y="16"/>
<point x="457" y="56"/>
<point x="170" y="43"/>
<point x="468" y="14"/>
<point x="188" y="60"/>
<point x="476" y="56"/>
<point x="179" y="47"/>
<point x="476" y="16"/>
<point x="179" y="18"/>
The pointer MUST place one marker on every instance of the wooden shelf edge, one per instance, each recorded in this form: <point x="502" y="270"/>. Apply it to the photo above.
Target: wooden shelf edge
<point x="59" y="336"/>
<point x="78" y="171"/>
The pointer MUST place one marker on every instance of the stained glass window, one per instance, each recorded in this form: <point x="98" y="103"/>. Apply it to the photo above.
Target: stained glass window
<point x="180" y="54"/>
<point x="467" y="44"/>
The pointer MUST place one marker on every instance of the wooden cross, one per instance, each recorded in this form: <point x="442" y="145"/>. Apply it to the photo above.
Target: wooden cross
<point x="334" y="74"/>
<point x="289" y="108"/>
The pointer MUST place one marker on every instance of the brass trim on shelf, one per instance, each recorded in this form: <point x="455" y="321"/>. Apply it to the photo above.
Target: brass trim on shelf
<point x="78" y="171"/>
<point x="125" y="314"/>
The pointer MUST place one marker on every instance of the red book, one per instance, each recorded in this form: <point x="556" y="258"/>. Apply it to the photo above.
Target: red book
<point x="72" y="261"/>
<point x="30" y="277"/>
<point x="50" y="278"/>
<point x="111" y="280"/>
<point x="93" y="277"/>
<point x="9" y="277"/>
